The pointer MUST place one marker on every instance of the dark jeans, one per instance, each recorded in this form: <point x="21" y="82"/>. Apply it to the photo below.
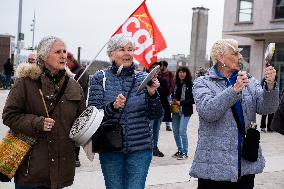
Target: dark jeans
<point x="23" y="187"/>
<point x="155" y="125"/>
<point x="263" y="121"/>
<point x="245" y="182"/>
<point x="7" y="82"/>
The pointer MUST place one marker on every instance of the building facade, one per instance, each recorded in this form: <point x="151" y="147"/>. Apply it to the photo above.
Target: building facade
<point x="7" y="48"/>
<point x="255" y="24"/>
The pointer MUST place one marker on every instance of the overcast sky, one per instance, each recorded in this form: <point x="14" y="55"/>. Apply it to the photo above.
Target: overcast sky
<point x="90" y="23"/>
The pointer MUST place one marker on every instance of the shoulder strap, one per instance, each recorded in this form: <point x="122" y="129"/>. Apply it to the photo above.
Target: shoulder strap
<point x="128" y="94"/>
<point x="240" y="127"/>
<point x="104" y="79"/>
<point x="60" y="94"/>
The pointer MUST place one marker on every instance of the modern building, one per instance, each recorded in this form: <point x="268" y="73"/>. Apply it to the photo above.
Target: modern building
<point x="7" y="48"/>
<point x="255" y="24"/>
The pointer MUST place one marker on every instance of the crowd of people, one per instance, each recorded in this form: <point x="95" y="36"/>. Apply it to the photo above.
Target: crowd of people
<point x="226" y="99"/>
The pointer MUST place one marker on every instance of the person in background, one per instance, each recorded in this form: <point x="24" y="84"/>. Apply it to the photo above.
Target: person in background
<point x="217" y="162"/>
<point x="183" y="97"/>
<point x="50" y="164"/>
<point x="32" y="58"/>
<point x="128" y="168"/>
<point x="8" y="73"/>
<point x="267" y="124"/>
<point x="169" y="77"/>
<point x="156" y="123"/>
<point x="263" y="124"/>
<point x="74" y="70"/>
<point x="278" y="119"/>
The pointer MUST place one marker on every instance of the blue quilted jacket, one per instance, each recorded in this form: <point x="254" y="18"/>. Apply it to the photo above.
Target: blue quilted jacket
<point x="138" y="110"/>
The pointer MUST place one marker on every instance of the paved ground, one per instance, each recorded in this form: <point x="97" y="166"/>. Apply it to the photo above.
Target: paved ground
<point x="169" y="173"/>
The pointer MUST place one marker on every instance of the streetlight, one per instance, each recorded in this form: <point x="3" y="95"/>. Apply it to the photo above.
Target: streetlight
<point x="20" y="35"/>
<point x="33" y="30"/>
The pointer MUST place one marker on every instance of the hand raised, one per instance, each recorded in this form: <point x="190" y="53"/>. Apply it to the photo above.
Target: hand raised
<point x="119" y="102"/>
<point x="152" y="89"/>
<point x="242" y="81"/>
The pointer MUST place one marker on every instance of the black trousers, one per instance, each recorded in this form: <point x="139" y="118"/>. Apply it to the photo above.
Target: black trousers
<point x="245" y="182"/>
<point x="263" y="121"/>
<point x="77" y="151"/>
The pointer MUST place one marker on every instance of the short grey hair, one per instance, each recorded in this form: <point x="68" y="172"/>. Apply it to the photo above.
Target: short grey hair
<point x="44" y="47"/>
<point x="221" y="47"/>
<point x="117" y="41"/>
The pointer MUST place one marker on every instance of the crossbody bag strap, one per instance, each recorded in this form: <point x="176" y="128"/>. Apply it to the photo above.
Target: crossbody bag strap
<point x="128" y="94"/>
<point x="60" y="94"/>
<point x="240" y="127"/>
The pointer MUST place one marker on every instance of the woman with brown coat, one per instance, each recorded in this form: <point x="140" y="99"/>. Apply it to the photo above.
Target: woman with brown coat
<point x="50" y="164"/>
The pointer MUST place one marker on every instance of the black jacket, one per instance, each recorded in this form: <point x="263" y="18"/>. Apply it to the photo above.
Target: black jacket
<point x="8" y="68"/>
<point x="163" y="92"/>
<point x="187" y="108"/>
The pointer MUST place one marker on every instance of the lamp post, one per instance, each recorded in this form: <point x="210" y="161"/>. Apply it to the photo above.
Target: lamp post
<point x="79" y="54"/>
<point x="33" y="30"/>
<point x="20" y="35"/>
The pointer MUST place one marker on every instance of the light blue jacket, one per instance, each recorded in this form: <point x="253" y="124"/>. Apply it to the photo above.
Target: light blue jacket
<point x="216" y="156"/>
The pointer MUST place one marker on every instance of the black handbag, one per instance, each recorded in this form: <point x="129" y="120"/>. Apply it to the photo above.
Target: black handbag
<point x="251" y="140"/>
<point x="109" y="136"/>
<point x="251" y="145"/>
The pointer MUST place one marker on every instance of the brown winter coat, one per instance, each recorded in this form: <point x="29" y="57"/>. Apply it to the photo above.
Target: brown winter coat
<point x="51" y="161"/>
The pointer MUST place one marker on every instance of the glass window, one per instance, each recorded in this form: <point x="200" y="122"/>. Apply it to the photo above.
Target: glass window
<point x="246" y="56"/>
<point x="245" y="52"/>
<point x="279" y="9"/>
<point x="245" y="10"/>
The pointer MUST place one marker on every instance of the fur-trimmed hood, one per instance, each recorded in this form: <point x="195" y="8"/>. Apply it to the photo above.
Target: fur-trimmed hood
<point x="32" y="71"/>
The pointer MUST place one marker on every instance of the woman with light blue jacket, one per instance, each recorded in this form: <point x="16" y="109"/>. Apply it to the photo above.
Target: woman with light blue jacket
<point x="217" y="162"/>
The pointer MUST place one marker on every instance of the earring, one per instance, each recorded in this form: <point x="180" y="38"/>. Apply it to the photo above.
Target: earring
<point x="224" y="65"/>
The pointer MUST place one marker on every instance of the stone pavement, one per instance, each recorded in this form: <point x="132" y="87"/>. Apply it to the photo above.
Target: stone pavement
<point x="169" y="173"/>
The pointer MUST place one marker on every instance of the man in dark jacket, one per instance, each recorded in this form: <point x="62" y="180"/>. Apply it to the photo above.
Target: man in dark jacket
<point x="8" y="72"/>
<point x="169" y="77"/>
<point x="156" y="123"/>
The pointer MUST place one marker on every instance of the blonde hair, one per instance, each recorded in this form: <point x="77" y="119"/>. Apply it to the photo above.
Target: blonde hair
<point x="221" y="47"/>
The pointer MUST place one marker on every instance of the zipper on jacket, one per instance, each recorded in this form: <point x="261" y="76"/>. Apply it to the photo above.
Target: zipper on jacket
<point x="28" y="167"/>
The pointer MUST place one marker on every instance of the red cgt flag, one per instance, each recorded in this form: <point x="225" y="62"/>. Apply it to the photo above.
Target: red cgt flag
<point x="146" y="35"/>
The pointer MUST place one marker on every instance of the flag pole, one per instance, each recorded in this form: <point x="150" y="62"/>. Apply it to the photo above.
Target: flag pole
<point x="92" y="61"/>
